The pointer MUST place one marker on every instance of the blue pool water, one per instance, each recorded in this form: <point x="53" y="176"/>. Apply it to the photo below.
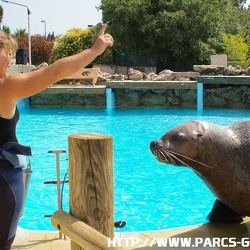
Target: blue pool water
<point x="148" y="195"/>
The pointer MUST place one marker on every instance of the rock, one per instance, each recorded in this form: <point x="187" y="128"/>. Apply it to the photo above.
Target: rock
<point x="247" y="71"/>
<point x="152" y="75"/>
<point x="186" y="76"/>
<point x="134" y="74"/>
<point x="42" y="65"/>
<point x="233" y="71"/>
<point x="165" y="75"/>
<point x="101" y="78"/>
<point x="208" y="69"/>
<point x="144" y="77"/>
<point x="117" y="77"/>
<point x="173" y="99"/>
<point x="148" y="99"/>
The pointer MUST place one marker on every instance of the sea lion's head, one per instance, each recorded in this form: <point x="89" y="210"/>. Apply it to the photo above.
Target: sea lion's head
<point x="180" y="144"/>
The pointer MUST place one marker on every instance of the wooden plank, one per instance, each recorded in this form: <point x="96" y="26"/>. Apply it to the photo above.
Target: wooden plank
<point x="80" y="233"/>
<point x="237" y="80"/>
<point x="151" y="84"/>
<point x="85" y="90"/>
<point x="85" y="73"/>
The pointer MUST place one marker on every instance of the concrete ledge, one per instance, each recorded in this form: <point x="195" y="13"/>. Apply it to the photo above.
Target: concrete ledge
<point x="151" y="84"/>
<point x="203" y="234"/>
<point x="68" y="89"/>
<point x="237" y="80"/>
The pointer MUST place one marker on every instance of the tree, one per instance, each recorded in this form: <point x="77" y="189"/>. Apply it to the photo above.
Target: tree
<point x="76" y="40"/>
<point x="236" y="48"/>
<point x="163" y="31"/>
<point x="6" y="29"/>
<point x="20" y="32"/>
<point x="1" y="16"/>
<point x="41" y="47"/>
<point x="72" y="42"/>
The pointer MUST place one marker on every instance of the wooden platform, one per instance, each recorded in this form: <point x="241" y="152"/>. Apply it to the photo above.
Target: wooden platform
<point x="85" y="73"/>
<point x="200" y="234"/>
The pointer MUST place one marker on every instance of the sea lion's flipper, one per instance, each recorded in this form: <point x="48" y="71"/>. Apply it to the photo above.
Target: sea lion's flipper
<point x="221" y="213"/>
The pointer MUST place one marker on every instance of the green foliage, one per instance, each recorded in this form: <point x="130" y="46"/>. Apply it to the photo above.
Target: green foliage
<point x="173" y="30"/>
<point x="20" y="32"/>
<point x="1" y="15"/>
<point x="41" y="47"/>
<point x="237" y="49"/>
<point x="75" y="40"/>
<point x="6" y="29"/>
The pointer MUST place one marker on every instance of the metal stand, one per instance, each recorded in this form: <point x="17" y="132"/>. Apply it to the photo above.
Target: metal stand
<point x="26" y="179"/>
<point x="57" y="152"/>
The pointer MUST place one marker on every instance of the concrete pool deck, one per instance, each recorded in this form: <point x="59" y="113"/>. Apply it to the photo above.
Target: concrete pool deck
<point x="200" y="234"/>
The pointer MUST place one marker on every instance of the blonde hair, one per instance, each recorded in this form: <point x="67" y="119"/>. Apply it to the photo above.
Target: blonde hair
<point x="8" y="41"/>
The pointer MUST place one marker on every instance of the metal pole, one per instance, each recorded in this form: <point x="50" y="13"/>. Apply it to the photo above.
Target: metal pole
<point x="43" y="21"/>
<point x="29" y="38"/>
<point x="58" y="179"/>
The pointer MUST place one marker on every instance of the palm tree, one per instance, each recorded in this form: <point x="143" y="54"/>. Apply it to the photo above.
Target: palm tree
<point x="1" y="16"/>
<point x="6" y="29"/>
<point x="21" y="32"/>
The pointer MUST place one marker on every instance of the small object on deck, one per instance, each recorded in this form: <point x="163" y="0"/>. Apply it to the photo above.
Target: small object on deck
<point x="120" y="224"/>
<point x="55" y="182"/>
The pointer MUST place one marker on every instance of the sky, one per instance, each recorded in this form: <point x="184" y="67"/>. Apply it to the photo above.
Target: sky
<point x="59" y="15"/>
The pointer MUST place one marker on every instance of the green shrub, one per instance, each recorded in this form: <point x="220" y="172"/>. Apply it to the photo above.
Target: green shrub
<point x="74" y="41"/>
<point x="237" y="49"/>
<point x="41" y="47"/>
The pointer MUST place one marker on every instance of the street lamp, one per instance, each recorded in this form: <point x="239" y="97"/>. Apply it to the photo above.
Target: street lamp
<point x="43" y="21"/>
<point x="29" y="38"/>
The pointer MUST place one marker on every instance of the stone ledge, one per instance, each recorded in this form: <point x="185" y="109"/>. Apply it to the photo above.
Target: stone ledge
<point x="151" y="84"/>
<point x="86" y="90"/>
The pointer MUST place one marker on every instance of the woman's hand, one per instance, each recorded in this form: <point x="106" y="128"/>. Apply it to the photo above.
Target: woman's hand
<point x="103" y="41"/>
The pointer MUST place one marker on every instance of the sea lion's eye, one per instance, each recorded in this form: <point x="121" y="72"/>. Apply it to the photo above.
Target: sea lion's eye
<point x="177" y="136"/>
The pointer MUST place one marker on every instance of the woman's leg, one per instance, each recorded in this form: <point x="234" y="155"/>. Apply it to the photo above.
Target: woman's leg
<point x="11" y="202"/>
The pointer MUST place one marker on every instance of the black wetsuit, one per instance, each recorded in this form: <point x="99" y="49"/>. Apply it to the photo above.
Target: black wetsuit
<point x="11" y="186"/>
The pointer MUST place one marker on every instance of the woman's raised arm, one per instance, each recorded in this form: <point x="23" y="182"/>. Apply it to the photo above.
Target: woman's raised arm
<point x="19" y="86"/>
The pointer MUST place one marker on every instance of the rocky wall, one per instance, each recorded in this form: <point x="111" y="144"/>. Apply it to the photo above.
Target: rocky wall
<point x="68" y="100"/>
<point x="237" y="97"/>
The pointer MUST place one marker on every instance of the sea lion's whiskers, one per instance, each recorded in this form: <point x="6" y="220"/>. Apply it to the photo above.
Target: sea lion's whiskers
<point x="166" y="157"/>
<point x="175" y="157"/>
<point x="174" y="153"/>
<point x="172" y="157"/>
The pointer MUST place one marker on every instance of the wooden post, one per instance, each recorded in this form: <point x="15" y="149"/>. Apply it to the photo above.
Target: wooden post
<point x="91" y="188"/>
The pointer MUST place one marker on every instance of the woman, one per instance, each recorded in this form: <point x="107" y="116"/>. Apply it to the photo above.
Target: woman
<point x="13" y="88"/>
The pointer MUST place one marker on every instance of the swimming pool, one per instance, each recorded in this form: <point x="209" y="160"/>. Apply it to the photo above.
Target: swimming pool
<point x="148" y="195"/>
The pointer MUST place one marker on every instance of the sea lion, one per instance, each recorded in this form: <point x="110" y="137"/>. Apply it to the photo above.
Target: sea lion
<point x="220" y="156"/>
